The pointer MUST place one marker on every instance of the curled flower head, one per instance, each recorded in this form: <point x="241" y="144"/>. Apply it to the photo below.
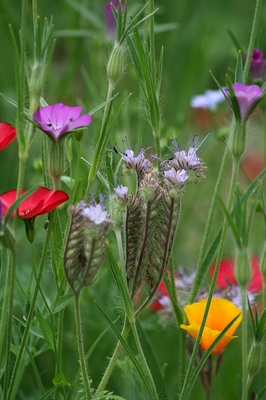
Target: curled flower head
<point x="40" y="202"/>
<point x="246" y="96"/>
<point x="221" y="313"/>
<point x="176" y="177"/>
<point x="85" y="247"/>
<point x="257" y="65"/>
<point x="58" y="120"/>
<point x="139" y="163"/>
<point x="95" y="213"/>
<point x="7" y="134"/>
<point x="121" y="191"/>
<point x="209" y="100"/>
<point x="186" y="160"/>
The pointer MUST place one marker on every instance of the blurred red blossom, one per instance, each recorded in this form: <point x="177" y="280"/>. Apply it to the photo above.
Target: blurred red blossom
<point x="7" y="134"/>
<point x="226" y="274"/>
<point x="42" y="201"/>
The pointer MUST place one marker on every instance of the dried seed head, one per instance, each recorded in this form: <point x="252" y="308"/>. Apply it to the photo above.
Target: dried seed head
<point x="85" y="246"/>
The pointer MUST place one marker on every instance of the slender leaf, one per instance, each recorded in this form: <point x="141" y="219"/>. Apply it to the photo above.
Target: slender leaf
<point x="128" y="349"/>
<point x="149" y="353"/>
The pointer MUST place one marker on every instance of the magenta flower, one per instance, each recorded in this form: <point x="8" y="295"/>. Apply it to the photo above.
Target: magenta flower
<point x="109" y="17"/>
<point x="59" y="119"/>
<point x="257" y="65"/>
<point x="247" y="97"/>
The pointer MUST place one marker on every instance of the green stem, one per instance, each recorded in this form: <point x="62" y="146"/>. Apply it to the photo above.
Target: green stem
<point x="200" y="275"/>
<point x="144" y="363"/>
<point x="115" y="355"/>
<point x="97" y="156"/>
<point x="8" y="317"/>
<point x="186" y="386"/>
<point x="244" y="333"/>
<point x="252" y="39"/>
<point x="31" y="311"/>
<point x="84" y="371"/>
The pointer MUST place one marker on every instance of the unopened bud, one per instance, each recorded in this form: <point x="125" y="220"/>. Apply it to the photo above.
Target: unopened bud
<point x="115" y="64"/>
<point x="254" y="359"/>
<point x="237" y="139"/>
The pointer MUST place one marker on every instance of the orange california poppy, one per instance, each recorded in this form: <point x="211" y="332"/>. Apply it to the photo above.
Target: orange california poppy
<point x="221" y="313"/>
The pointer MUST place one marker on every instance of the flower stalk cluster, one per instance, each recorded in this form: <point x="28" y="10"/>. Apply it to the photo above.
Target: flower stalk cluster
<point x="152" y="214"/>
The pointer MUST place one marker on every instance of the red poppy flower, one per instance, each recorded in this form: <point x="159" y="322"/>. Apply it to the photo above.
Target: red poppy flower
<point x="161" y="294"/>
<point x="7" y="134"/>
<point x="40" y="202"/>
<point x="226" y="274"/>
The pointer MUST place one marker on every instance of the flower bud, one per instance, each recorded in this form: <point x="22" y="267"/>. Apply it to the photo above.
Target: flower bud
<point x="242" y="268"/>
<point x="115" y="65"/>
<point x="254" y="359"/>
<point x="237" y="139"/>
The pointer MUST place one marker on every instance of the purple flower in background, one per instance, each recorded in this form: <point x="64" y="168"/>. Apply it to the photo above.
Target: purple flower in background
<point x="58" y="120"/>
<point x="257" y="65"/>
<point x="247" y="97"/>
<point x="209" y="100"/>
<point x="109" y="17"/>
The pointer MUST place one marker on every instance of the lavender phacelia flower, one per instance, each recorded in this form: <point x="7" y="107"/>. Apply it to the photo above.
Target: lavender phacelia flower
<point x="176" y="177"/>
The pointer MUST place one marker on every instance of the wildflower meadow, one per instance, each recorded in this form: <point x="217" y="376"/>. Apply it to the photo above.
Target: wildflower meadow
<point x="132" y="200"/>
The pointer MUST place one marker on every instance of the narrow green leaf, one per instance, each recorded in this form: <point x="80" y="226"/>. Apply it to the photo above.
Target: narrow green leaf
<point x="109" y="169"/>
<point x="128" y="349"/>
<point x="231" y="222"/>
<point x="61" y="302"/>
<point x="261" y="329"/>
<point x="46" y="330"/>
<point x="239" y="68"/>
<point x="252" y="319"/>
<point x="155" y="369"/>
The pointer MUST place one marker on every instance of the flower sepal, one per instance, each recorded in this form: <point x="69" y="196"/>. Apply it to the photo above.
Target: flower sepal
<point x="29" y="229"/>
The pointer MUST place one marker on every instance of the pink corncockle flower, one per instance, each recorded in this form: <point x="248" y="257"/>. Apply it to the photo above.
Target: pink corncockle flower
<point x="95" y="213"/>
<point x="7" y="134"/>
<point x="176" y="177"/>
<point x="40" y="202"/>
<point x="257" y="65"/>
<point x="209" y="100"/>
<point x="121" y="191"/>
<point x="247" y="97"/>
<point x="58" y="120"/>
<point x="109" y="17"/>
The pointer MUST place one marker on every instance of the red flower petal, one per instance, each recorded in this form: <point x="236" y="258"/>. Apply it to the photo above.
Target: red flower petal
<point x="226" y="274"/>
<point x="7" y="134"/>
<point x="40" y="202"/>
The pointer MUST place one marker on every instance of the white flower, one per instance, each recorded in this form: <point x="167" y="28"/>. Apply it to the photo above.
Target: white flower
<point x="95" y="213"/>
<point x="121" y="191"/>
<point x="176" y="177"/>
<point x="208" y="100"/>
<point x="139" y="163"/>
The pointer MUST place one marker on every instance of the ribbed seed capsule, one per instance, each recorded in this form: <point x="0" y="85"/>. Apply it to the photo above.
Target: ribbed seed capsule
<point x="85" y="246"/>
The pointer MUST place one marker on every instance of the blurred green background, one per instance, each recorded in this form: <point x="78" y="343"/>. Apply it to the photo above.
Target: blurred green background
<point x="199" y="43"/>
